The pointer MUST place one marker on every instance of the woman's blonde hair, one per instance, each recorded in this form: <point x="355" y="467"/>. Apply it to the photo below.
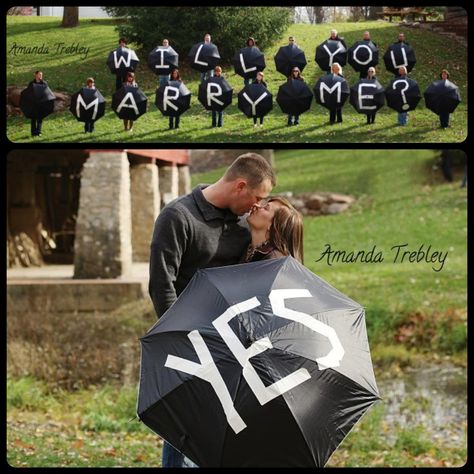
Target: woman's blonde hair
<point x="338" y="66"/>
<point x="286" y="231"/>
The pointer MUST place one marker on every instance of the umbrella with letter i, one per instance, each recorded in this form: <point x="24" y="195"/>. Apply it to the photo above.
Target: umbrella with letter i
<point x="261" y="364"/>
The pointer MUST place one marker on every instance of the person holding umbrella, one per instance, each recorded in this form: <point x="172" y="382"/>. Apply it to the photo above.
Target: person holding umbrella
<point x="371" y="76"/>
<point x="259" y="80"/>
<point x="249" y="43"/>
<point x="210" y="72"/>
<point x="201" y="230"/>
<point x="217" y="115"/>
<point x="296" y="76"/>
<point x="335" y="115"/>
<point x="119" y="78"/>
<point x="164" y="78"/>
<point x="334" y="36"/>
<point x="364" y="73"/>
<point x="402" y="117"/>
<point x="444" y="117"/>
<point x="129" y="81"/>
<point x="36" y="123"/>
<point x="176" y="76"/>
<point x="89" y="125"/>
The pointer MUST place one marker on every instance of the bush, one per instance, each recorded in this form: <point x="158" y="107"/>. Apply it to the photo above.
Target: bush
<point x="229" y="27"/>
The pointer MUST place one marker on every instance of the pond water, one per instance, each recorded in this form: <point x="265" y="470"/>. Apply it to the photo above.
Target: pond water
<point x="434" y="397"/>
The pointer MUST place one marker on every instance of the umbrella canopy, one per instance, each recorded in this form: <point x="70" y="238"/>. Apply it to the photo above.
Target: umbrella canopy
<point x="215" y="93"/>
<point x="362" y="55"/>
<point x="257" y="365"/>
<point x="122" y="60"/>
<point x="254" y="100"/>
<point x="288" y="57"/>
<point x="173" y="98"/>
<point x="367" y="96"/>
<point x="37" y="101"/>
<point x="87" y="105"/>
<point x="403" y="94"/>
<point x="329" y="52"/>
<point x="204" y="56"/>
<point x="129" y="103"/>
<point x="163" y="60"/>
<point x="331" y="91"/>
<point x="442" y="97"/>
<point x="248" y="61"/>
<point x="294" y="97"/>
<point x="397" y="55"/>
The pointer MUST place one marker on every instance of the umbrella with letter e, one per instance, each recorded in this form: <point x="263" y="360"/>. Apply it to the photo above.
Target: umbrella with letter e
<point x="367" y="96"/>
<point x="261" y="364"/>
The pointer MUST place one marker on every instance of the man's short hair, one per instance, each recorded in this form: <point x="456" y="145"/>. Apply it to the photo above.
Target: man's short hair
<point x="253" y="167"/>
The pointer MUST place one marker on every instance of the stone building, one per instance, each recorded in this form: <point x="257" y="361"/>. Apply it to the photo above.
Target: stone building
<point x="92" y="208"/>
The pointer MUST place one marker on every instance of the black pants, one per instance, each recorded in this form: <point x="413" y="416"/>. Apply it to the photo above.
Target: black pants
<point x="371" y="117"/>
<point x="89" y="127"/>
<point x="36" y="126"/>
<point x="119" y="80"/>
<point x="255" y="119"/>
<point x="335" y="114"/>
<point x="174" y="122"/>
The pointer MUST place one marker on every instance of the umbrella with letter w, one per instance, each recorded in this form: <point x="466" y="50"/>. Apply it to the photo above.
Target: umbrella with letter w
<point x="257" y="365"/>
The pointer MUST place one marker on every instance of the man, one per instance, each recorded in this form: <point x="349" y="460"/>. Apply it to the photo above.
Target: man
<point x="164" y="78"/>
<point x="402" y="117"/>
<point x="210" y="73"/>
<point x="36" y="123"/>
<point x="365" y="70"/>
<point x="335" y="37"/>
<point x="121" y="78"/>
<point x="202" y="230"/>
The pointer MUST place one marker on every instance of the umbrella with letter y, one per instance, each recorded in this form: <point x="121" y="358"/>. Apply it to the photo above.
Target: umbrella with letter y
<point x="257" y="365"/>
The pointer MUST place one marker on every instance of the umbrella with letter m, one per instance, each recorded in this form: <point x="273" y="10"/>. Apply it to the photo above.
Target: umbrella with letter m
<point x="261" y="364"/>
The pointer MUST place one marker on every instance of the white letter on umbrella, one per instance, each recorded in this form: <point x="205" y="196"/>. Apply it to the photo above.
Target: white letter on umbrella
<point x="94" y="103"/>
<point x="211" y="96"/>
<point x="122" y="59"/>
<point x="242" y="62"/>
<point x="162" y="55"/>
<point x="196" y="57"/>
<point x="263" y="394"/>
<point x="133" y="105"/>
<point x="331" y="55"/>
<point x="207" y="370"/>
<point x="167" y="97"/>
<point x="361" y="97"/>
<point x="254" y="104"/>
<point x="330" y="90"/>
<point x="277" y="299"/>
<point x="357" y="60"/>
<point x="405" y="61"/>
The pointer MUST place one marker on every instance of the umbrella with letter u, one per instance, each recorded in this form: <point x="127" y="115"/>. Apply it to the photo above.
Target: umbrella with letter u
<point x="261" y="364"/>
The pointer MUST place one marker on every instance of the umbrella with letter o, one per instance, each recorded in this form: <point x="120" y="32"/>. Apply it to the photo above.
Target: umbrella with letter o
<point x="204" y="56"/>
<point x="215" y="93"/>
<point x="163" y="60"/>
<point x="288" y="57"/>
<point x="402" y="94"/>
<point x="362" y="55"/>
<point x="129" y="103"/>
<point x="398" y="55"/>
<point x="262" y="364"/>
<point x="330" y="52"/>
<point x="367" y="96"/>
<point x="442" y="97"/>
<point x="248" y="61"/>
<point x="294" y="97"/>
<point x="122" y="60"/>
<point x="255" y="100"/>
<point x="87" y="105"/>
<point x="173" y="98"/>
<point x="37" y="101"/>
<point x="331" y="91"/>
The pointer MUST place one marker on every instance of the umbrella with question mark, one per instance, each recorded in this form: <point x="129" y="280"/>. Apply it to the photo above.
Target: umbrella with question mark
<point x="403" y="94"/>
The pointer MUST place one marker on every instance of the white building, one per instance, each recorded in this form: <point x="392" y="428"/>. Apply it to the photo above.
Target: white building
<point x="84" y="12"/>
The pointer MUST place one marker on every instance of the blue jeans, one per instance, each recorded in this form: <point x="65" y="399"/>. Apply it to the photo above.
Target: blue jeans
<point x="402" y="118"/>
<point x="217" y="118"/>
<point x="164" y="79"/>
<point x="173" y="458"/>
<point x="207" y="75"/>
<point x="296" y="119"/>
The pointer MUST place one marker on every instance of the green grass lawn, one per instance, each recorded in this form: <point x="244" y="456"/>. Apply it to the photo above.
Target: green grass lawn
<point x="68" y="73"/>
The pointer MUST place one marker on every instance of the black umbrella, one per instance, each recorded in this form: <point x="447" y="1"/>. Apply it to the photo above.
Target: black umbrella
<point x="362" y="55"/>
<point x="442" y="97"/>
<point x="248" y="61"/>
<point x="288" y="57"/>
<point x="261" y="364"/>
<point x="37" y="101"/>
<point x="129" y="103"/>
<point x="173" y="98"/>
<point x="294" y="97"/>
<point x="331" y="91"/>
<point x="215" y="93"/>
<point x="398" y="55"/>
<point x="163" y="60"/>
<point x="367" y="96"/>
<point x="87" y="105"/>
<point x="403" y="94"/>
<point x="122" y="60"/>
<point x="204" y="56"/>
<point x="254" y="100"/>
<point x="329" y="52"/>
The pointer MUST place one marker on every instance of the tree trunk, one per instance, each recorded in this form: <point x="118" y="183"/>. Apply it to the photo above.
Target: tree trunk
<point x="70" y="17"/>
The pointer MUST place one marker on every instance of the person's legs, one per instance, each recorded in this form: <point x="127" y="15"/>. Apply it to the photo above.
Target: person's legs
<point x="261" y="120"/>
<point x="290" y="120"/>
<point x="91" y="126"/>
<point x="176" y="124"/>
<point x="118" y="82"/>
<point x="332" y="116"/>
<point x="254" y="120"/>
<point x="170" y="121"/>
<point x="339" y="115"/>
<point x="297" y="120"/>
<point x="220" y="118"/>
<point x="444" y="120"/>
<point x="130" y="126"/>
<point x="171" y="457"/>
<point x="214" y="118"/>
<point x="33" y="127"/>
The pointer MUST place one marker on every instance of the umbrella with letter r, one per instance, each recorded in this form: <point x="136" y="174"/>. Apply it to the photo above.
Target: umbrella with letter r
<point x="261" y="364"/>
<point x="173" y="98"/>
<point x="215" y="93"/>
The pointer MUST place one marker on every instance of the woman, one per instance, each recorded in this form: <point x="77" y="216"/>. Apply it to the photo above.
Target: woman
<point x="89" y="126"/>
<point x="259" y="80"/>
<point x="129" y="81"/>
<point x="296" y="76"/>
<point x="336" y="114"/>
<point x="444" y="118"/>
<point x="217" y="114"/>
<point x="174" y="121"/>
<point x="250" y="43"/>
<point x="36" y="123"/>
<point x="371" y="76"/>
<point x="277" y="231"/>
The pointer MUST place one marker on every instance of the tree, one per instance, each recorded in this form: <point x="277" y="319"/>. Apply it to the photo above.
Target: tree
<point x="70" y="17"/>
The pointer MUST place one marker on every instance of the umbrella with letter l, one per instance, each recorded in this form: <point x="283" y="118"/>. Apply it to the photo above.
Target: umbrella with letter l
<point x="257" y="365"/>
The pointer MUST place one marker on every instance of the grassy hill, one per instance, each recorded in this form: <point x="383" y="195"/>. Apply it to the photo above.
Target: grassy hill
<point x="67" y="72"/>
